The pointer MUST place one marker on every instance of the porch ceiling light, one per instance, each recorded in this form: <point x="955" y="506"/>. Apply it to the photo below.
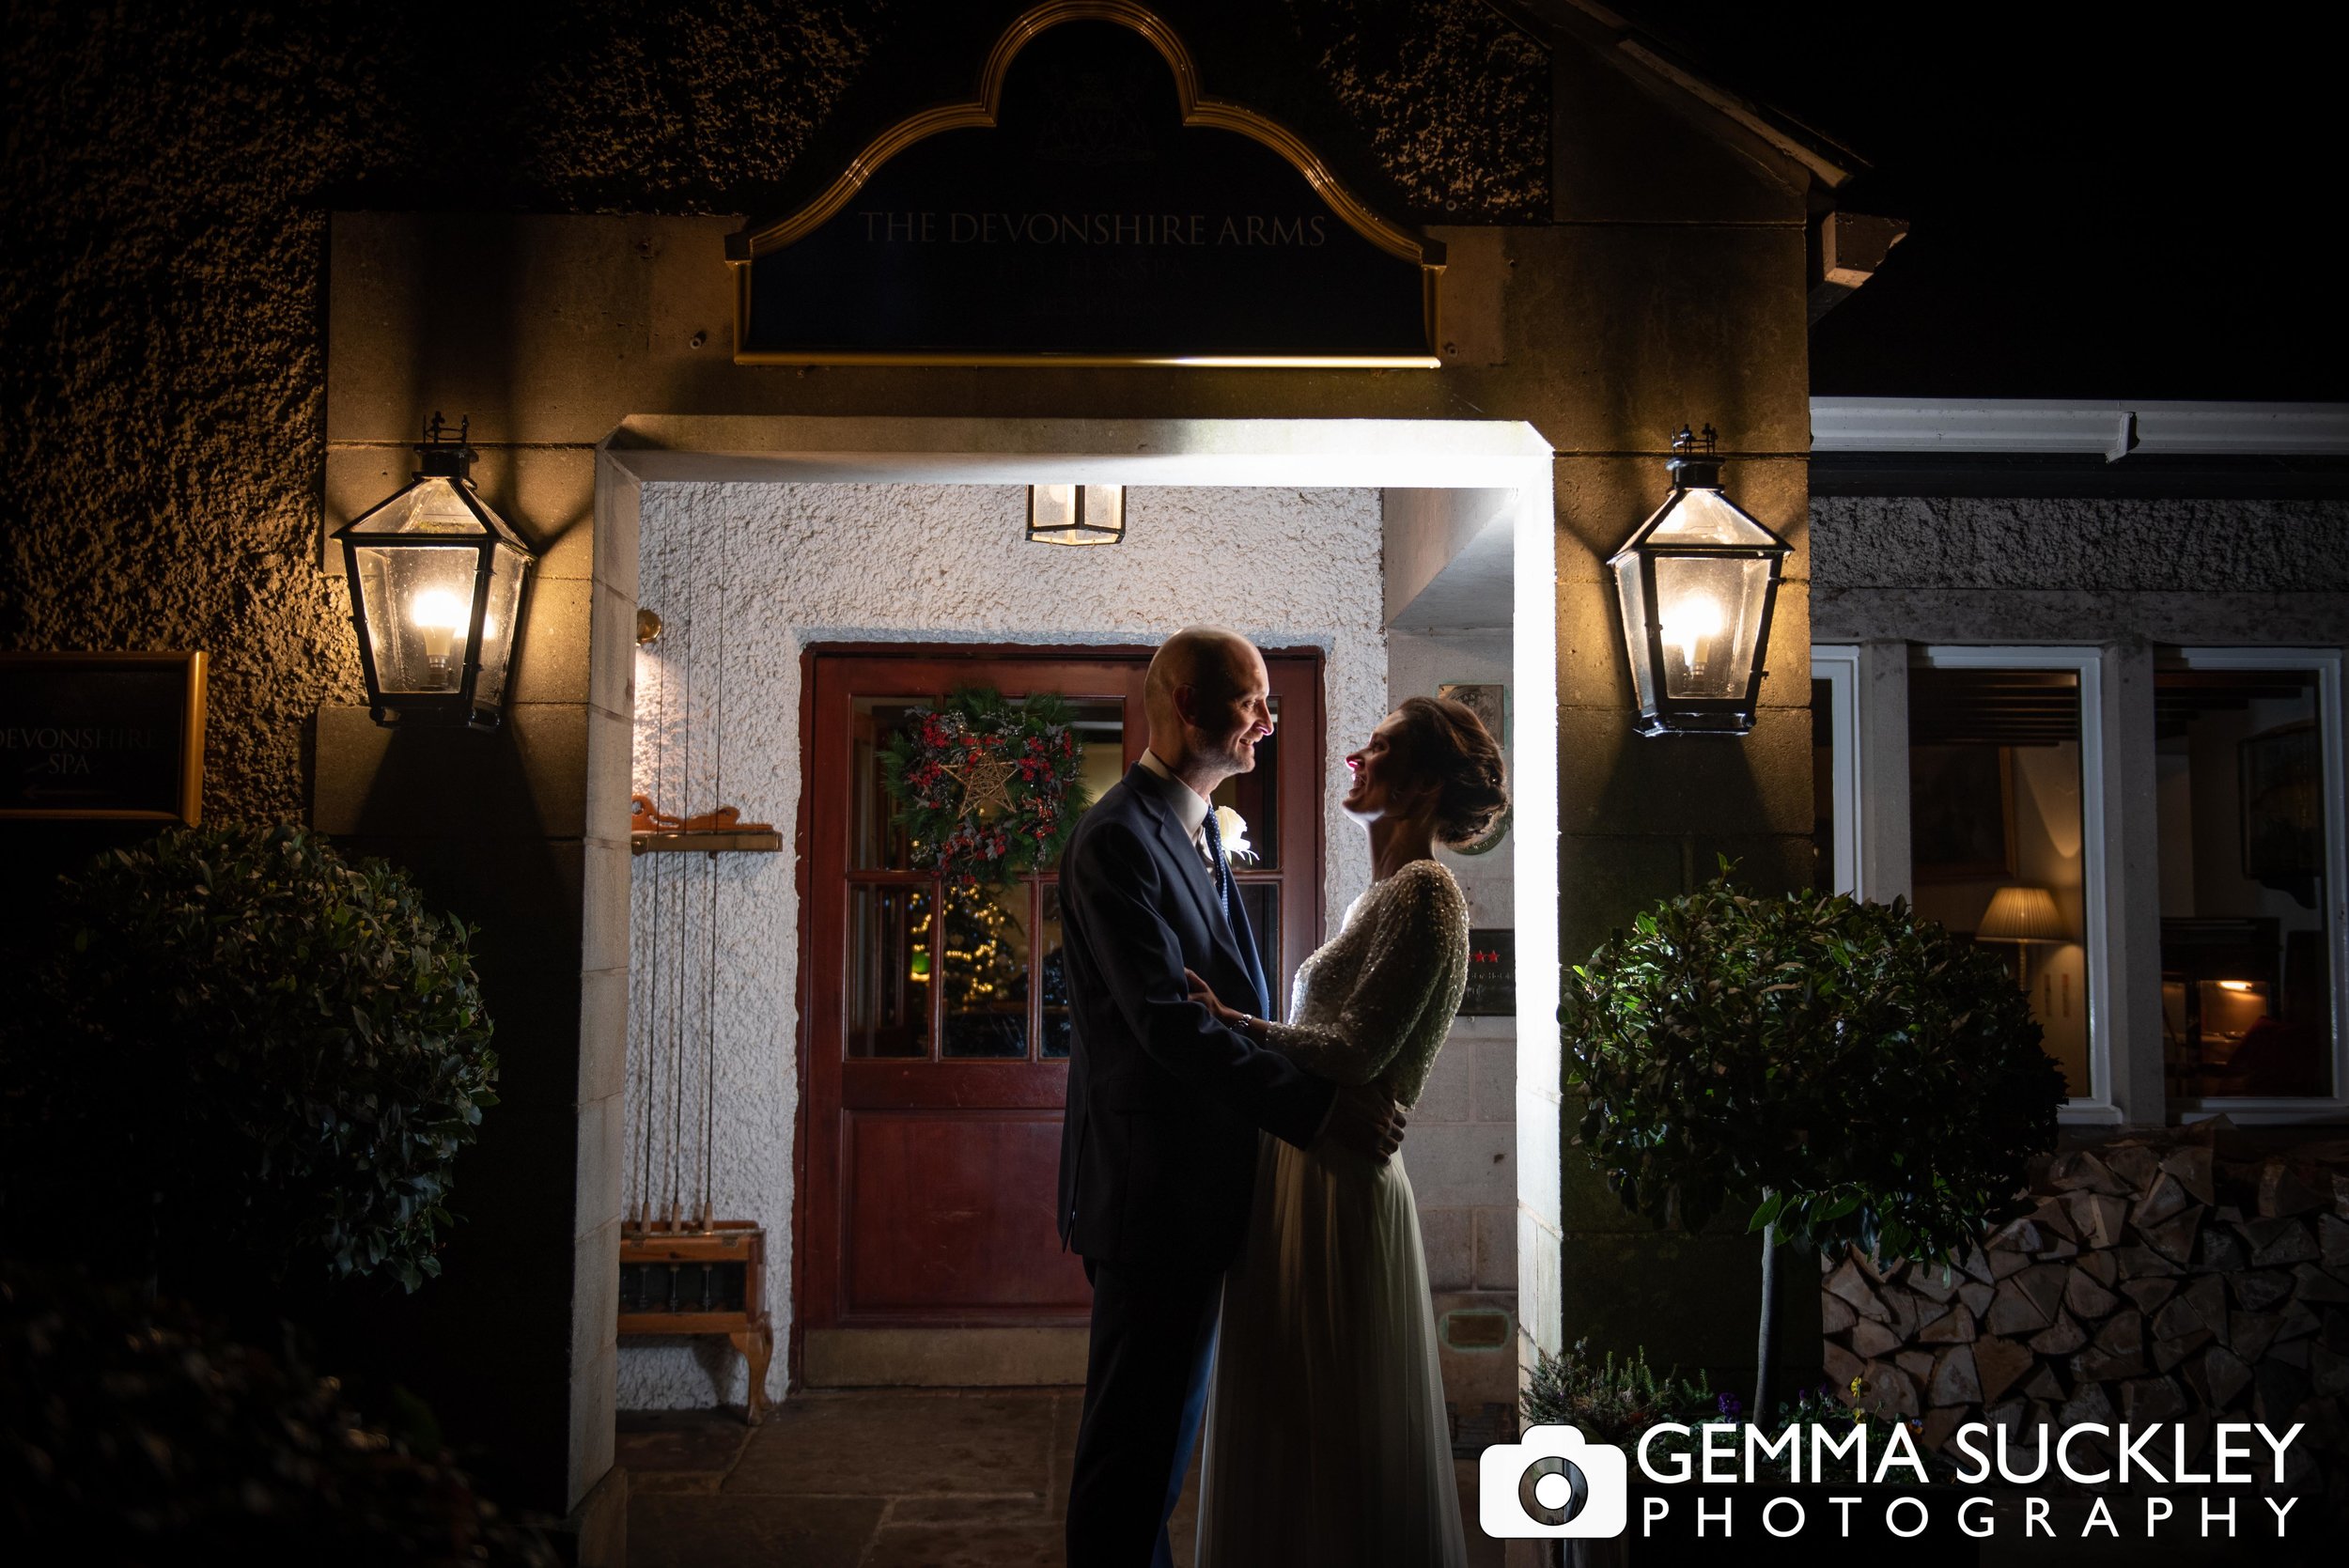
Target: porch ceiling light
<point x="1697" y="581"/>
<point x="436" y="593"/>
<point x="1076" y="514"/>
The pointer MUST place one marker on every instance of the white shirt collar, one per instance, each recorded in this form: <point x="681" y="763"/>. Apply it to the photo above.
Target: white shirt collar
<point x="1190" y="807"/>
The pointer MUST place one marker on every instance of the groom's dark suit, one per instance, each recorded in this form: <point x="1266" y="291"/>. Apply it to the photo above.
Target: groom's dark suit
<point x="1158" y="1152"/>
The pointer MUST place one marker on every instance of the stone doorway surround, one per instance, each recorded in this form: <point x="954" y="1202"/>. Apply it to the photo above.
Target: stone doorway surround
<point x="1503" y="464"/>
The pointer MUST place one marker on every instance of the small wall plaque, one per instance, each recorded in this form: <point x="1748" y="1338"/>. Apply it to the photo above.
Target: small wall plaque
<point x="1487" y="700"/>
<point x="101" y="737"/>
<point x="1492" y="974"/>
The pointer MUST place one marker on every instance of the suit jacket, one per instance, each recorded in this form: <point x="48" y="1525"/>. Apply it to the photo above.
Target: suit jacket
<point x="1159" y="1150"/>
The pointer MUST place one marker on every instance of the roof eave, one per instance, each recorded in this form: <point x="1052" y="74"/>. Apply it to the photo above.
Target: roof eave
<point x="1640" y="54"/>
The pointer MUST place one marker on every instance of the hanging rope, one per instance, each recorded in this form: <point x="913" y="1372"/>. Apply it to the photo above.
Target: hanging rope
<point x="710" y="1004"/>
<point x="685" y="808"/>
<point x="652" y="990"/>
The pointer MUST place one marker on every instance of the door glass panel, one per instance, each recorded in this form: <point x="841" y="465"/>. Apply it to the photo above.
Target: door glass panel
<point x="875" y="842"/>
<point x="1257" y="796"/>
<point x="1996" y="832"/>
<point x="2247" y="991"/>
<point x="888" y="971"/>
<point x="984" y="960"/>
<point x="1051" y="976"/>
<point x="1262" y="900"/>
<point x="1100" y="728"/>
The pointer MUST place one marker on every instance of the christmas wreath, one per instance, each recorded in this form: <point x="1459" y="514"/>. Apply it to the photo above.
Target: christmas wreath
<point x="986" y="788"/>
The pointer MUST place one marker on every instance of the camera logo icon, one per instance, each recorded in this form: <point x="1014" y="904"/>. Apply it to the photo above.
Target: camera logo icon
<point x="1553" y="1483"/>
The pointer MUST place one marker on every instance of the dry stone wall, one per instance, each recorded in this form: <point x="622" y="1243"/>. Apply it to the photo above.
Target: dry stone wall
<point x="2155" y="1279"/>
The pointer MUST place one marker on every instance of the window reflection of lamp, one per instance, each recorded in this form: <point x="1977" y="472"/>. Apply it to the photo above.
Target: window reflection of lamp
<point x="2022" y="916"/>
<point x="2239" y="984"/>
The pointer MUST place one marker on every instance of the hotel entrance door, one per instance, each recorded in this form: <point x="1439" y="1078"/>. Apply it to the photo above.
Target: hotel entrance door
<point x="938" y="1028"/>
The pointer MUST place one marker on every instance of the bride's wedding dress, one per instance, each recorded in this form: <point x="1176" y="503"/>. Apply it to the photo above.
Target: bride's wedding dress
<point x="1326" y="1439"/>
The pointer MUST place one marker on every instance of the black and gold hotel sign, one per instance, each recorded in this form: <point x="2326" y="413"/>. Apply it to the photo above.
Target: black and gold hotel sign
<point x="101" y="737"/>
<point x="1091" y="206"/>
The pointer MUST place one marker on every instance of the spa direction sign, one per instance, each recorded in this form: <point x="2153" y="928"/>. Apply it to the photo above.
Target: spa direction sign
<point x="1089" y="207"/>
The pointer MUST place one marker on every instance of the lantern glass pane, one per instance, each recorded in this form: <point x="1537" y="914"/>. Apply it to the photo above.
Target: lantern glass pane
<point x="1052" y="508"/>
<point x="1709" y="610"/>
<point x="1635" y="627"/>
<point x="417" y="602"/>
<point x="497" y="626"/>
<point x="1101" y="518"/>
<point x="1706" y="517"/>
<point x="432" y="506"/>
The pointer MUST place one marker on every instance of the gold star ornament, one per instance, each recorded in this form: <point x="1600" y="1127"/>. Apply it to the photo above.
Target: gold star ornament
<point x="985" y="785"/>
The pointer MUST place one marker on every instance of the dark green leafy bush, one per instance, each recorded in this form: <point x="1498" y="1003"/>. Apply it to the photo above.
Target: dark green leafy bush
<point x="1857" y="1074"/>
<point x="141" y="1433"/>
<point x="271" y="1052"/>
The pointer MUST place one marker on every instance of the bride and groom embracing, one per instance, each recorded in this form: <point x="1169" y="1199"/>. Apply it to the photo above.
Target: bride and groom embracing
<point x="1230" y="1182"/>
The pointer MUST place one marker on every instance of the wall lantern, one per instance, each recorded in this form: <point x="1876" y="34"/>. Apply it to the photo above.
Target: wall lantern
<point x="436" y="592"/>
<point x="1076" y="514"/>
<point x="1696" y="582"/>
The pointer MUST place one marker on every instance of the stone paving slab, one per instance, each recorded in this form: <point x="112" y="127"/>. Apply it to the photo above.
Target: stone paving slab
<point x="879" y="1479"/>
<point x="888" y="1443"/>
<point x="680" y="1441"/>
<point x="1000" y="1546"/>
<point x="1023" y="1509"/>
<point x="751" y="1532"/>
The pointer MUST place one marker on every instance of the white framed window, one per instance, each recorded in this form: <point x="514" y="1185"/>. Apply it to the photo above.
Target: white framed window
<point x="2253" y="884"/>
<point x="1989" y="813"/>
<point x="2008" y="835"/>
<point x="1835" y="757"/>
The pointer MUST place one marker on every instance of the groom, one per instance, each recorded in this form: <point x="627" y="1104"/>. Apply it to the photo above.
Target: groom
<point x="1158" y="1152"/>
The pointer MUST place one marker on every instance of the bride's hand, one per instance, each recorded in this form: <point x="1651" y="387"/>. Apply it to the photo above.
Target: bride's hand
<point x="1203" y="994"/>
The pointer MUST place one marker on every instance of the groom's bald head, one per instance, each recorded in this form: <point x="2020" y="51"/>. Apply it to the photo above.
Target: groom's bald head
<point x="1209" y="704"/>
<point x="1207" y="658"/>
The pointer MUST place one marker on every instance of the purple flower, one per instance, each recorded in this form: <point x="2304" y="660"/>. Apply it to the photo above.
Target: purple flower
<point x="1730" y="1405"/>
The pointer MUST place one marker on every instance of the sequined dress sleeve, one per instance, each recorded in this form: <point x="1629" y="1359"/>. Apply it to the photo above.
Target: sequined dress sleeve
<point x="1376" y="1000"/>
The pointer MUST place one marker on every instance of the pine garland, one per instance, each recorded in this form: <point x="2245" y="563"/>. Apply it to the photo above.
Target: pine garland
<point x="987" y="788"/>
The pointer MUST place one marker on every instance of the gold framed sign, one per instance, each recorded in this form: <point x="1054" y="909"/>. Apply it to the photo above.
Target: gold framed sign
<point x="1089" y="205"/>
<point x="101" y="737"/>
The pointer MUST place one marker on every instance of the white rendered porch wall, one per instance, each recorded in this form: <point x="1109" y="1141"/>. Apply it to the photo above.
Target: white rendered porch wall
<point x="795" y="563"/>
<point x="1461" y="1146"/>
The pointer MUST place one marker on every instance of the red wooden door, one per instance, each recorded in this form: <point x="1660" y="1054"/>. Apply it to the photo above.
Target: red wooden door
<point x="936" y="1039"/>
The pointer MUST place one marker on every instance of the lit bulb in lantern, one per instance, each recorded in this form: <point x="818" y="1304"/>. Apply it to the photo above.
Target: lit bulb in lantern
<point x="1688" y="623"/>
<point x="440" y="616"/>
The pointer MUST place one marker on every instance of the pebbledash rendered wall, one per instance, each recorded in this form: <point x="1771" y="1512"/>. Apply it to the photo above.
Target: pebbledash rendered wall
<point x="2219" y="570"/>
<point x="804" y="564"/>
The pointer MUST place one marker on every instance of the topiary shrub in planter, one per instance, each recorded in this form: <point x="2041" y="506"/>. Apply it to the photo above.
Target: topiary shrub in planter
<point x="269" y="1054"/>
<point x="1852" y="1073"/>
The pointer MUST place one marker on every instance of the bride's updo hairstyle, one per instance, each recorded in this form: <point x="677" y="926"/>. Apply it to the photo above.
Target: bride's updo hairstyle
<point x="1446" y="744"/>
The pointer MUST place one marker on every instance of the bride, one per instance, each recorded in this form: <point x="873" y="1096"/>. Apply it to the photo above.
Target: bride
<point x="1326" y="1436"/>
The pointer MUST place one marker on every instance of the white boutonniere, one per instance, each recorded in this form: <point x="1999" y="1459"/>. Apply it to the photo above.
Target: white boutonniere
<point x="1234" y="827"/>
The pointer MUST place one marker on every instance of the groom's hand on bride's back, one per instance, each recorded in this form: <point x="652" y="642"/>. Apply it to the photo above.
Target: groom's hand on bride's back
<point x="1365" y="1118"/>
